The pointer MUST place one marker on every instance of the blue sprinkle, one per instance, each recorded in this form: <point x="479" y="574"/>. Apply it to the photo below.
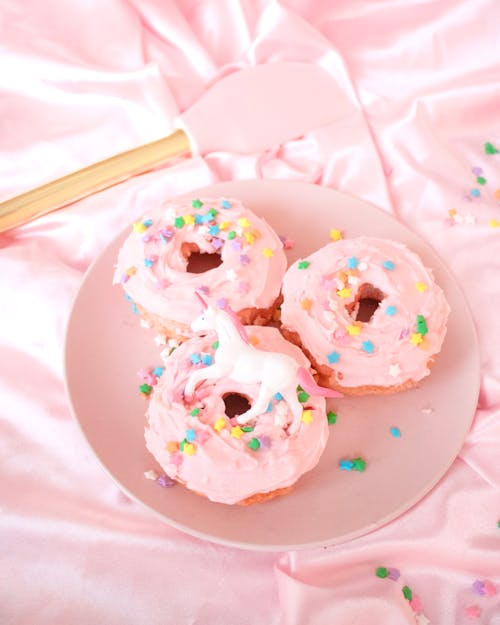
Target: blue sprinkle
<point x="269" y="407"/>
<point x="388" y="264"/>
<point x="225" y="204"/>
<point x="148" y="262"/>
<point x="367" y="346"/>
<point x="198" y="219"/>
<point x="333" y="357"/>
<point x="213" y="230"/>
<point x="391" y="310"/>
<point x="352" y="262"/>
<point x="135" y="310"/>
<point x="158" y="371"/>
<point x="278" y="396"/>
<point x="127" y="297"/>
<point x="147" y="223"/>
<point x="396" y="432"/>
<point x="475" y="192"/>
<point x="190" y="435"/>
<point x="206" y="359"/>
<point x="346" y="465"/>
<point x="195" y="359"/>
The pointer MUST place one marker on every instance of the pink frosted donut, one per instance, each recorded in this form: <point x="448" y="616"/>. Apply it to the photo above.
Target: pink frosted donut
<point x="198" y="445"/>
<point x="213" y="245"/>
<point x="367" y="313"/>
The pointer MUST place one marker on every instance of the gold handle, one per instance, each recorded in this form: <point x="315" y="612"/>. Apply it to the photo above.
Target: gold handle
<point x="58" y="193"/>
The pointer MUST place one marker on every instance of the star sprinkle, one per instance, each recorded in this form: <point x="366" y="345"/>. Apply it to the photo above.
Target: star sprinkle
<point x="358" y="464"/>
<point x="344" y="293"/>
<point x="416" y="339"/>
<point x="394" y="370"/>
<point x="189" y="220"/>
<point x="421" y="287"/>
<point x="243" y="222"/>
<point x="225" y="204"/>
<point x="391" y="311"/>
<point x="396" y="432"/>
<point x="333" y="357"/>
<point x="189" y="449"/>
<point x="307" y="417"/>
<point x="352" y="262"/>
<point x="331" y="417"/>
<point x="489" y="148"/>
<point x="353" y="330"/>
<point x="254" y="444"/>
<point x="219" y="424"/>
<point x="236" y="432"/>
<point x="303" y="264"/>
<point x="473" y="612"/>
<point x="306" y="304"/>
<point x="388" y="264"/>
<point x="267" y="252"/>
<point x="179" y="222"/>
<point x="196" y="203"/>
<point x="493" y="223"/>
<point x="335" y="235"/>
<point x="368" y="347"/>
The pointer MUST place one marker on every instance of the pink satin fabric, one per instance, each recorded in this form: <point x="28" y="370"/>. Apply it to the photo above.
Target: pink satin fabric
<point x="82" y="80"/>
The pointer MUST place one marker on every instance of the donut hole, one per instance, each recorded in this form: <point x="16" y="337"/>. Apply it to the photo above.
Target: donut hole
<point x="235" y="404"/>
<point x="368" y="299"/>
<point x="199" y="262"/>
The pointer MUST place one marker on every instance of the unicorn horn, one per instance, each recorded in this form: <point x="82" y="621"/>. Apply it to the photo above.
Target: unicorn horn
<point x="202" y="301"/>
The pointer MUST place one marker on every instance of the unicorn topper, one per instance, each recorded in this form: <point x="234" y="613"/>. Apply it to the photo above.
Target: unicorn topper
<point x="237" y="359"/>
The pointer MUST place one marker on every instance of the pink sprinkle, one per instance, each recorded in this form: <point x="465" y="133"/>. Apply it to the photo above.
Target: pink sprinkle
<point x="404" y="333"/>
<point x="472" y="611"/>
<point x="146" y="238"/>
<point x="288" y="244"/>
<point x="143" y="373"/>
<point x="176" y="459"/>
<point x="416" y="604"/>
<point x="394" y="574"/>
<point x="244" y="260"/>
<point x="489" y="589"/>
<point x="265" y="441"/>
<point x="202" y="436"/>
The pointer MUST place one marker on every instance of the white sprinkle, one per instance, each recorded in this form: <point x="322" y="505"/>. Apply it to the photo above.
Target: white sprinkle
<point x="173" y="343"/>
<point x="362" y="266"/>
<point x="144" y="324"/>
<point x="353" y="280"/>
<point x="151" y="475"/>
<point x="170" y="215"/>
<point x="421" y="619"/>
<point x="394" y="370"/>
<point x="159" y="340"/>
<point x="231" y="275"/>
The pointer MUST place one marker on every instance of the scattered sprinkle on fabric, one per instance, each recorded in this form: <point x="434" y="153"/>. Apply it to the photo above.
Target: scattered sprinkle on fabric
<point x="396" y="432"/>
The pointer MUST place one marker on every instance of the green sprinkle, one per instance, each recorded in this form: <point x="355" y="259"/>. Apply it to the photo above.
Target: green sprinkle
<point x="421" y="325"/>
<point x="212" y="212"/>
<point x="254" y="443"/>
<point x="303" y="264"/>
<point x="498" y="524"/>
<point x="489" y="148"/>
<point x="407" y="593"/>
<point x="480" y="180"/>
<point x="179" y="222"/>
<point x="231" y="235"/>
<point x="332" y="417"/>
<point x="358" y="464"/>
<point x="195" y="412"/>
<point x="215" y="345"/>
<point x="196" y="203"/>
<point x="382" y="572"/>
<point x="182" y="443"/>
<point x="247" y="428"/>
<point x="145" y="389"/>
<point x="303" y="397"/>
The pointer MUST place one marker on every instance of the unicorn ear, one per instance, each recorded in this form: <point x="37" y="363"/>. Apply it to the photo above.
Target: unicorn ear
<point x="201" y="300"/>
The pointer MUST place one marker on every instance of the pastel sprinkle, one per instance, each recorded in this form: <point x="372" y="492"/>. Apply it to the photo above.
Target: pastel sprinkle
<point x="214" y="229"/>
<point x="421" y="286"/>
<point x="195" y="359"/>
<point x="247" y="428"/>
<point x="231" y="235"/>
<point x="489" y="148"/>
<point x="171" y="447"/>
<point x="244" y="259"/>
<point x="206" y="359"/>
<point x="394" y="574"/>
<point x="195" y="412"/>
<point x="151" y="475"/>
<point x="198" y="219"/>
<point x="475" y="192"/>
<point x="249" y="237"/>
<point x="382" y="572"/>
<point x="215" y="345"/>
<point x="189" y="449"/>
<point x="279" y="397"/>
<point x="158" y="371"/>
<point x="331" y="417"/>
<point x="165" y="481"/>
<point x="421" y="325"/>
<point x="225" y="204"/>
<point x="190" y="435"/>
<point x="254" y="444"/>
<point x="344" y="293"/>
<point x="472" y="612"/>
<point x="496" y="194"/>
<point x="303" y="264"/>
<point x="221" y="302"/>
<point x="219" y="424"/>
<point x="189" y="220"/>
<point x="306" y="304"/>
<point x="149" y="262"/>
<point x="478" y="587"/>
<point x="416" y="338"/>
<point x="147" y="223"/>
<point x="346" y="465"/>
<point x="196" y="203"/>
<point x="416" y="603"/>
<point x="481" y="180"/>
<point x="224" y="225"/>
<point x="267" y="252"/>
<point x="490" y="589"/>
<point x="493" y="223"/>
<point x="396" y="432"/>
<point x="358" y="464"/>
<point x="407" y="593"/>
<point x="139" y="227"/>
<point x="368" y="347"/>
<point x="477" y="171"/>
<point x="217" y="243"/>
<point x="145" y="389"/>
<point x="243" y="222"/>
<point x="391" y="311"/>
<point x="179" y="222"/>
<point x="333" y="357"/>
<point x="302" y="396"/>
<point x="236" y="432"/>
<point x="388" y="264"/>
<point x="269" y="408"/>
<point x="212" y="212"/>
<point x="307" y="417"/>
<point x="335" y="235"/>
<point x="352" y="262"/>
<point x="353" y="330"/>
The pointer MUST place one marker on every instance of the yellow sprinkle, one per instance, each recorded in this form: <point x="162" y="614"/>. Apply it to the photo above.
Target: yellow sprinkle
<point x="172" y="447"/>
<point x="189" y="220"/>
<point x="424" y="344"/>
<point x="416" y="338"/>
<point x="306" y="304"/>
<point x="219" y="424"/>
<point x="131" y="271"/>
<point x="243" y="222"/>
<point x="493" y="223"/>
<point x="236" y="431"/>
<point x="224" y="225"/>
<point x="307" y="416"/>
<point x="421" y="286"/>
<point x="335" y="235"/>
<point x="139" y="227"/>
<point x="249" y="238"/>
<point x="189" y="449"/>
<point x="343" y="293"/>
<point x="253" y="340"/>
<point x="353" y="330"/>
<point x="268" y="252"/>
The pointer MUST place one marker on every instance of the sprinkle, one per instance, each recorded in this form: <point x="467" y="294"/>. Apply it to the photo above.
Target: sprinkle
<point x="279" y="397"/>
<point x="145" y="389"/>
<point x="247" y="428"/>
<point x="346" y="465"/>
<point x="303" y="264"/>
<point x="302" y="396"/>
<point x="195" y="412"/>
<point x="171" y="447"/>
<point x="368" y="347"/>
<point x="151" y="475"/>
<point x="362" y="266"/>
<point x="221" y="302"/>
<point x="489" y="148"/>
<point x="131" y="271"/>
<point x="358" y="464"/>
<point x="219" y="424"/>
<point x="236" y="432"/>
<point x="265" y="442"/>
<point x="215" y="345"/>
<point x="139" y="227"/>
<point x="244" y="259"/>
<point x="307" y="417"/>
<point x="421" y="286"/>
<point x="269" y="408"/>
<point x="206" y="359"/>
<point x="249" y="238"/>
<point x="190" y="435"/>
<point x="481" y="180"/>
<point x="254" y="443"/>
<point x="478" y="587"/>
<point x="149" y="262"/>
<point x="496" y="194"/>
<point x="352" y="262"/>
<point x="243" y="222"/>
<point x="331" y="417"/>
<point x="421" y="619"/>
<point x="416" y="604"/>
<point x="407" y="593"/>
<point x="396" y="432"/>
<point x="416" y="338"/>
<point x="189" y="220"/>
<point x="253" y="340"/>
<point x="390" y="311"/>
<point x="236" y="245"/>
<point x="421" y="325"/>
<point x="472" y="611"/>
<point x="388" y="264"/>
<point x="189" y="449"/>
<point x="475" y="192"/>
<point x="333" y="357"/>
<point x="225" y="204"/>
<point x="382" y="572"/>
<point x="196" y="203"/>
<point x="195" y="359"/>
<point x="335" y="235"/>
<point x="267" y="252"/>
<point x="213" y="213"/>
<point x="124" y="278"/>
<point x="198" y="219"/>
<point x="135" y="310"/>
<point x="353" y="330"/>
<point x="344" y="293"/>
<point x="477" y="171"/>
<point x="165" y="481"/>
<point x="306" y="304"/>
<point x="217" y="243"/>
<point x="394" y="574"/>
<point x="147" y="223"/>
<point x="489" y="589"/>
<point x="231" y="235"/>
<point x="179" y="222"/>
<point x="405" y="333"/>
<point x="493" y="223"/>
<point x="182" y="444"/>
<point x="214" y="229"/>
<point x="158" y="371"/>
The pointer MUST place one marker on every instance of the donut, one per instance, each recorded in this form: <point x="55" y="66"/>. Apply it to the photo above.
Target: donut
<point x="201" y="442"/>
<point x="367" y="313"/>
<point x="213" y="245"/>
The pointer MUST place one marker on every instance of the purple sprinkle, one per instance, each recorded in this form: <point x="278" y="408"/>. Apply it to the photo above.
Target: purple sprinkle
<point x="168" y="233"/>
<point x="404" y="334"/>
<point x="124" y="278"/>
<point x="265" y="442"/>
<point x="236" y="245"/>
<point x="244" y="260"/>
<point x="478" y="587"/>
<point x="221" y="302"/>
<point x="146" y="238"/>
<point x="204" y="289"/>
<point x="394" y="574"/>
<point x="165" y="482"/>
<point x="477" y="171"/>
<point x="217" y="243"/>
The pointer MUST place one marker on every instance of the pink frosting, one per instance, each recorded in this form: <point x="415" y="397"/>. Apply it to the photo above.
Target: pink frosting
<point x="222" y="467"/>
<point x="153" y="272"/>
<point x="391" y="348"/>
